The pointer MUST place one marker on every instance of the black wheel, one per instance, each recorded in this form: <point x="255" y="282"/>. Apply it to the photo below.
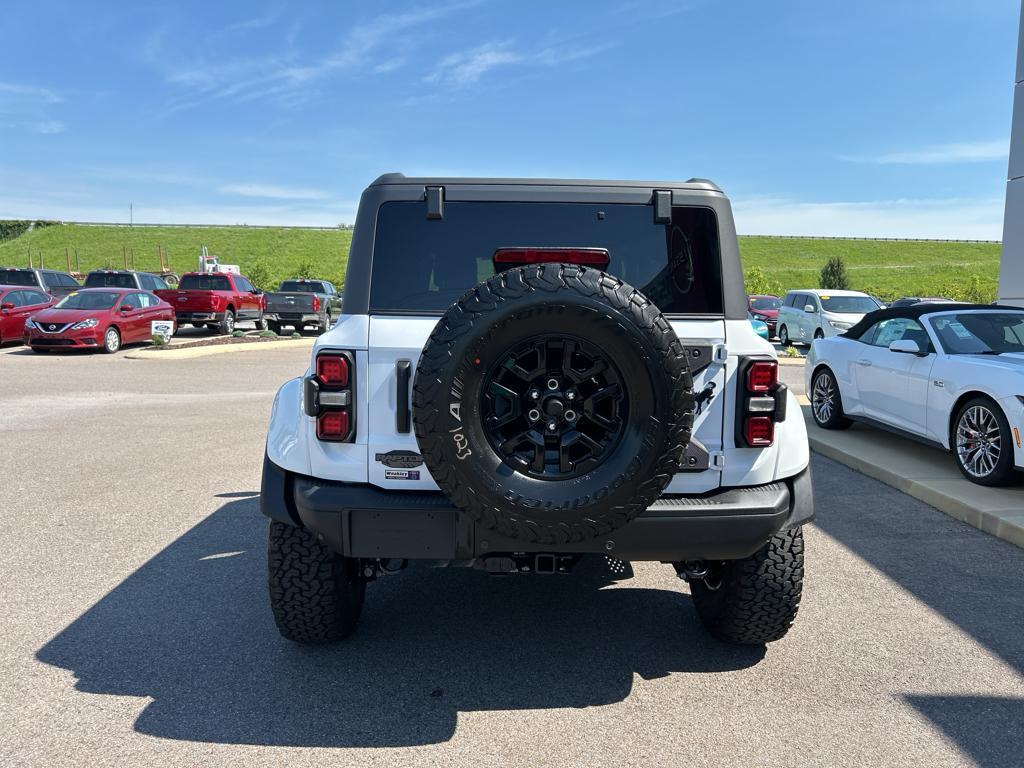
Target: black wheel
<point x="226" y="326"/>
<point x="274" y="326"/>
<point x="111" y="340"/>
<point x="784" y="337"/>
<point x="316" y="594"/>
<point x="552" y="403"/>
<point x="755" y="600"/>
<point x="982" y="444"/>
<point x="826" y="401"/>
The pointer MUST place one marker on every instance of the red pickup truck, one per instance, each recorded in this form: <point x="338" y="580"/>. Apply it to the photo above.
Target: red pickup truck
<point x="216" y="300"/>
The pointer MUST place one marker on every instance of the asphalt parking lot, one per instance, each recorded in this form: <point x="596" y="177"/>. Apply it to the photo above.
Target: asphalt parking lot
<point x="136" y="627"/>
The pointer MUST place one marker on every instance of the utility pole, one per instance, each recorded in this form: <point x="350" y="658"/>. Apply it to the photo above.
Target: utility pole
<point x="131" y="214"/>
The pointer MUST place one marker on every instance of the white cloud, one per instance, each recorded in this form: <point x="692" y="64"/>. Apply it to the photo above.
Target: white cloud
<point x="465" y="68"/>
<point x="287" y="75"/>
<point x="963" y="152"/>
<point x="950" y="218"/>
<point x="272" y="192"/>
<point x="48" y="127"/>
<point x="27" y="107"/>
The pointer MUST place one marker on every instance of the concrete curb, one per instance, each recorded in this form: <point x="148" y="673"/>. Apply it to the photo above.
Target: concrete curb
<point x="792" y="360"/>
<point x="925" y="473"/>
<point x="217" y="349"/>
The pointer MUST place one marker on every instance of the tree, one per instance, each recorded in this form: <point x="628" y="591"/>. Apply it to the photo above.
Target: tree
<point x="833" y="275"/>
<point x="306" y="269"/>
<point x="259" y="275"/>
<point x="758" y="283"/>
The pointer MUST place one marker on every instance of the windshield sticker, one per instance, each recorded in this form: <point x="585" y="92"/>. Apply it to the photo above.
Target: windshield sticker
<point x="825" y="298"/>
<point x="959" y="330"/>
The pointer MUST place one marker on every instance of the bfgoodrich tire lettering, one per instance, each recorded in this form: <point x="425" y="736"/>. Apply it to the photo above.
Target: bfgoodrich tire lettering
<point x="481" y="329"/>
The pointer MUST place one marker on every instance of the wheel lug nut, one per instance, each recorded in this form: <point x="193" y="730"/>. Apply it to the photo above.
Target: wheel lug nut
<point x="571" y="395"/>
<point x="534" y="394"/>
<point x="552" y="426"/>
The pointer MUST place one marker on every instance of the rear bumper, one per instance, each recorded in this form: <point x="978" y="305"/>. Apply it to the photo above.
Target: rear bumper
<point x="288" y="318"/>
<point x="198" y="317"/>
<point x="367" y="522"/>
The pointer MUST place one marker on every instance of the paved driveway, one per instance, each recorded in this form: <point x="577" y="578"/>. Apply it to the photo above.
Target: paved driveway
<point x="136" y="629"/>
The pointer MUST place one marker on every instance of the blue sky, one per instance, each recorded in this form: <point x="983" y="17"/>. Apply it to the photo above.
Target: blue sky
<point x="833" y="118"/>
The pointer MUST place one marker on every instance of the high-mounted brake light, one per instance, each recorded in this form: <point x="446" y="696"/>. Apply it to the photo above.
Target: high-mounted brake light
<point x="507" y="258"/>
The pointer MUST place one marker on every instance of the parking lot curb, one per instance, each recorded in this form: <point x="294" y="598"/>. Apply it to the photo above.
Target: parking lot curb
<point x="217" y="349"/>
<point x="925" y="473"/>
<point x="792" y="360"/>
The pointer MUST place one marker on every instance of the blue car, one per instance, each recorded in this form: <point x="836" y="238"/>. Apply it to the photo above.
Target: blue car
<point x="760" y="326"/>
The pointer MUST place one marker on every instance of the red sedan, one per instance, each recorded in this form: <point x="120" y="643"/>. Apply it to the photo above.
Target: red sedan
<point x="97" y="318"/>
<point x="18" y="304"/>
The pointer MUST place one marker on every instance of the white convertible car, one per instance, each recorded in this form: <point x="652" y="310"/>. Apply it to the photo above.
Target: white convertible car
<point x="951" y="375"/>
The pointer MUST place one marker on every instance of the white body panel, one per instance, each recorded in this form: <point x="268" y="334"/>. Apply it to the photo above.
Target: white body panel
<point x="918" y="394"/>
<point x="379" y="342"/>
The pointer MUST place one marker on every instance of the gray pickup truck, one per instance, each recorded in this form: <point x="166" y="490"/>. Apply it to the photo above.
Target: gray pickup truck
<point x="300" y="303"/>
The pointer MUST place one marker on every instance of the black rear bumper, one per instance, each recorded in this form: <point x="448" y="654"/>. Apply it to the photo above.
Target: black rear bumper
<point x="367" y="522"/>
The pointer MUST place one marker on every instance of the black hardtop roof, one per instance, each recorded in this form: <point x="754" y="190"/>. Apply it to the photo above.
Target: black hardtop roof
<point x="916" y="311"/>
<point x="390" y="179"/>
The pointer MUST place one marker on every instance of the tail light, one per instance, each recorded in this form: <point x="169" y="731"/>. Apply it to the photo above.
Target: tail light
<point x="761" y="402"/>
<point x="330" y="396"/>
<point x="507" y="258"/>
<point x="316" y="303"/>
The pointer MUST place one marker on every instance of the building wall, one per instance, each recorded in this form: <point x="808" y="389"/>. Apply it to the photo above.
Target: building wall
<point x="1011" y="270"/>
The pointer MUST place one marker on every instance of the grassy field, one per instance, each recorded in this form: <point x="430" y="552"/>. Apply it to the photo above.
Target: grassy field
<point x="266" y="255"/>
<point x="885" y="268"/>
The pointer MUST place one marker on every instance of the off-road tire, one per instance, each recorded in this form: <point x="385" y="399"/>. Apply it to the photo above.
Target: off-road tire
<point x="757" y="598"/>
<point x="316" y="594"/>
<point x="514" y="306"/>
<point x="226" y="326"/>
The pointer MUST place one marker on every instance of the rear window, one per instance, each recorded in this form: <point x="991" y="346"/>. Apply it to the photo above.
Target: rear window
<point x="302" y="286"/>
<point x="112" y="280"/>
<point x="425" y="265"/>
<point x="17" y="277"/>
<point x="204" y="283"/>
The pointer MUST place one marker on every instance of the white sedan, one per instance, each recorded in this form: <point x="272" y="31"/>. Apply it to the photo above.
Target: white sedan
<point x="946" y="374"/>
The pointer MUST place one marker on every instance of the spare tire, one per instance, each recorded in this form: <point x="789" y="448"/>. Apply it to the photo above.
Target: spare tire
<point x="553" y="403"/>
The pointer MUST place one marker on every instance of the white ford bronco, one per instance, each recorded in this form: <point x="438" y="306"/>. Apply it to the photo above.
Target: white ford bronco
<point x="527" y="372"/>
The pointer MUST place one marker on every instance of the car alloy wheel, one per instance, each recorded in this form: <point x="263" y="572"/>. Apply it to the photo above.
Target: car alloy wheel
<point x="783" y="336"/>
<point x="978" y="442"/>
<point x="112" y="340"/>
<point x="823" y="398"/>
<point x="229" y="322"/>
<point x="554" y="407"/>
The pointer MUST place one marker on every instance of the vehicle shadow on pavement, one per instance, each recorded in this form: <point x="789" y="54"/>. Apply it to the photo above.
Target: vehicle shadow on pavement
<point x="970" y="578"/>
<point x="192" y="629"/>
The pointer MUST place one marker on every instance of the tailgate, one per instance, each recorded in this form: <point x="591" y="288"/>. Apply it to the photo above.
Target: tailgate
<point x="393" y="341"/>
<point x="188" y="301"/>
<point x="290" y="302"/>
